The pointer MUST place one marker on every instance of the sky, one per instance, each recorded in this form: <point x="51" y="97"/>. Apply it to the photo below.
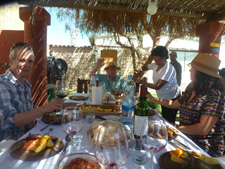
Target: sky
<point x="57" y="35"/>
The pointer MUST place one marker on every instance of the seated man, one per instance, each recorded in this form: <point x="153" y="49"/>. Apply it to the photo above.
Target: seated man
<point x="113" y="82"/>
<point x="17" y="108"/>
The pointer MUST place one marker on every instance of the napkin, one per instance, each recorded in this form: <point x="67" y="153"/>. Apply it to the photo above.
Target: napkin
<point x="96" y="95"/>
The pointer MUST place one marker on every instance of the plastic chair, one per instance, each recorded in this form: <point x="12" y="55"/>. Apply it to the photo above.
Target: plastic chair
<point x="82" y="85"/>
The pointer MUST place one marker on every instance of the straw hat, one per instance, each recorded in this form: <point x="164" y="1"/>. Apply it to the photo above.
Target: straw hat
<point x="112" y="64"/>
<point x="206" y="63"/>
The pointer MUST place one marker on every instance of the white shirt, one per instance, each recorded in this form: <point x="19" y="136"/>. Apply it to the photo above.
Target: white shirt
<point x="167" y="73"/>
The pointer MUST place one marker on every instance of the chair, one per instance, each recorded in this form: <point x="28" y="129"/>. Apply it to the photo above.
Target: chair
<point x="82" y="85"/>
<point x="3" y="67"/>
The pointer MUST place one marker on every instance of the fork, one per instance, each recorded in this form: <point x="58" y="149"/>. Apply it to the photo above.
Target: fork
<point x="47" y="133"/>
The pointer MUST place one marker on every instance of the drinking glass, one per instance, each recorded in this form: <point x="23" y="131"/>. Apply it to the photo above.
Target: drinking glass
<point x="72" y="122"/>
<point x="61" y="88"/>
<point x="111" y="147"/>
<point x="90" y="116"/>
<point x="116" y="87"/>
<point x="154" y="136"/>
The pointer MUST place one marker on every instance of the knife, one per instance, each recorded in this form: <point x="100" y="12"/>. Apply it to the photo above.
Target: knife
<point x="49" y="124"/>
<point x="100" y="117"/>
<point x="179" y="144"/>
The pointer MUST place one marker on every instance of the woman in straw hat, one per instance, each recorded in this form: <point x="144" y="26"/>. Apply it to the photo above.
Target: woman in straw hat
<point x="202" y="108"/>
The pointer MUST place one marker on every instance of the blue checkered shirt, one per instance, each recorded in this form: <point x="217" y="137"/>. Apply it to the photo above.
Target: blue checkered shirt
<point x="14" y="99"/>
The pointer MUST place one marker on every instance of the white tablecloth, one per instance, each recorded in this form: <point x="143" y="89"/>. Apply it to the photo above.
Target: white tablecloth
<point x="6" y="161"/>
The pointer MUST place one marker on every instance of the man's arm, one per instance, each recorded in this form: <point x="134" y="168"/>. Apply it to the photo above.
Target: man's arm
<point x="98" y="65"/>
<point x="24" y="118"/>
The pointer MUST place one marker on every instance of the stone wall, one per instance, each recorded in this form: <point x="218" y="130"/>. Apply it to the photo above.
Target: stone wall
<point x="80" y="61"/>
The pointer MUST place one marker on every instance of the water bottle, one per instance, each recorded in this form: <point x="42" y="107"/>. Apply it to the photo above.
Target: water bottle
<point x="127" y="111"/>
<point x="93" y="82"/>
<point x="131" y="85"/>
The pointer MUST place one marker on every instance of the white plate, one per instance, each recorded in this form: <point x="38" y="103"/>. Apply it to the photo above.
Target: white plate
<point x="113" y="118"/>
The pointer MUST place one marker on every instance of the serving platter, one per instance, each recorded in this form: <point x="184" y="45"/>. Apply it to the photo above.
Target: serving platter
<point x="17" y="151"/>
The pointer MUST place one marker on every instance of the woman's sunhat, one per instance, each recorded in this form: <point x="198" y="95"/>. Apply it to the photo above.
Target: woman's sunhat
<point x="206" y="63"/>
<point x="112" y="64"/>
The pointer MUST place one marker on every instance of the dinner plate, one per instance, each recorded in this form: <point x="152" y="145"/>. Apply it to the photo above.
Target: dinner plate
<point x="78" y="98"/>
<point x="48" y="118"/>
<point x="17" y="151"/>
<point x="166" y="163"/>
<point x="114" y="118"/>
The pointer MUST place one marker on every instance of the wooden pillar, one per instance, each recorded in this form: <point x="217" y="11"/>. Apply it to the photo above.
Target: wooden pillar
<point x="36" y="35"/>
<point x="210" y="37"/>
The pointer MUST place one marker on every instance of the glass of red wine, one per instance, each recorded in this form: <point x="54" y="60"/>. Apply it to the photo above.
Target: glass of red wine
<point x="61" y="88"/>
<point x="72" y="122"/>
<point x="112" y="147"/>
<point x="154" y="136"/>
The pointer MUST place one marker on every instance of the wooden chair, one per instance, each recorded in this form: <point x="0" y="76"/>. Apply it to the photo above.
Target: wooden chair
<point x="82" y="85"/>
<point x="3" y="67"/>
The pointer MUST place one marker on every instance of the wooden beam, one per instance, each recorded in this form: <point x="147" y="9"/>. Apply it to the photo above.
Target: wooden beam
<point x="98" y="6"/>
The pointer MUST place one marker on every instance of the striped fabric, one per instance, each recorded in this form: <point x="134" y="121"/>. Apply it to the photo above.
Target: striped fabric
<point x="212" y="103"/>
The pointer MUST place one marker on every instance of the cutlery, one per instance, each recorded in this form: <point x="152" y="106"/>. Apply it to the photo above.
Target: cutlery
<point x="47" y="133"/>
<point x="68" y="139"/>
<point x="179" y="144"/>
<point x="49" y="124"/>
<point x="100" y="117"/>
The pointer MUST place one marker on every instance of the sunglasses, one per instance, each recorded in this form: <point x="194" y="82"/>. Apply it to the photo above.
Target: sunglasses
<point x="22" y="44"/>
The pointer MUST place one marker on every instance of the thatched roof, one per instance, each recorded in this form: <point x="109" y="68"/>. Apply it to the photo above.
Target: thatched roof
<point x="209" y="10"/>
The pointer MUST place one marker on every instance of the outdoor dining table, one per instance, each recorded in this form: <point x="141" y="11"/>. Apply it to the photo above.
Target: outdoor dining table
<point x="9" y="162"/>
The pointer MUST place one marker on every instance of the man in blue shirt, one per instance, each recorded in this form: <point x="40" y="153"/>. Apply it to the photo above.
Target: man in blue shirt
<point x="113" y="82"/>
<point x="17" y="109"/>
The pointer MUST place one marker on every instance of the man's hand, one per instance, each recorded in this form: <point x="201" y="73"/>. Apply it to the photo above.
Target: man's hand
<point x="55" y="104"/>
<point x="100" y="63"/>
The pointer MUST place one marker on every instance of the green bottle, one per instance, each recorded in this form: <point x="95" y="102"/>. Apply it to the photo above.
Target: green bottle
<point x="141" y="112"/>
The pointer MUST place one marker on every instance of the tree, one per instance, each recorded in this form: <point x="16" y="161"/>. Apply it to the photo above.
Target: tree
<point x="128" y="25"/>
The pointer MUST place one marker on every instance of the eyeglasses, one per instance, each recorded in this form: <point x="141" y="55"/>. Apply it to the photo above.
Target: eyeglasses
<point x="17" y="44"/>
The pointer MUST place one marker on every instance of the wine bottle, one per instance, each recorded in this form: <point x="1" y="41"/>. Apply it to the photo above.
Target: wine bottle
<point x="141" y="112"/>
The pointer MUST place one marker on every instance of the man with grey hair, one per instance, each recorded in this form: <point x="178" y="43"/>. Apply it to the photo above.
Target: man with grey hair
<point x="177" y="66"/>
<point x="17" y="108"/>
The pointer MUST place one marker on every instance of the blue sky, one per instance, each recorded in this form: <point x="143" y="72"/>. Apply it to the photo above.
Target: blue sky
<point x="57" y="35"/>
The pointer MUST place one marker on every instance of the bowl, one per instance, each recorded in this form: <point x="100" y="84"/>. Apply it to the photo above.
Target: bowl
<point x="68" y="159"/>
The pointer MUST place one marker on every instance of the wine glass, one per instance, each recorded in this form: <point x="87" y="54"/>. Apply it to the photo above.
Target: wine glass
<point x="154" y="136"/>
<point x="61" y="88"/>
<point x="116" y="87"/>
<point x="111" y="147"/>
<point x="72" y="122"/>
